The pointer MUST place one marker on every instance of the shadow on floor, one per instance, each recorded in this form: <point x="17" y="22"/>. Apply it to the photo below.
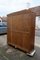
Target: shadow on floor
<point x="10" y="53"/>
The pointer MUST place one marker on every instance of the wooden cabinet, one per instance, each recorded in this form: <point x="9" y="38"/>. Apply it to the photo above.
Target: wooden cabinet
<point x="21" y="30"/>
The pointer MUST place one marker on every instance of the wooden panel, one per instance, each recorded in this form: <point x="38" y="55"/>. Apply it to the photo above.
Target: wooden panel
<point x="21" y="30"/>
<point x="9" y="33"/>
<point x="21" y="24"/>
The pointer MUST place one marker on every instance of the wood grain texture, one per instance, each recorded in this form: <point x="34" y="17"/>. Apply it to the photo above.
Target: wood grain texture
<point x="21" y="30"/>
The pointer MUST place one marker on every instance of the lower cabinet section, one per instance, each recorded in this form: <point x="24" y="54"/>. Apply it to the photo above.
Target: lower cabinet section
<point x="21" y="40"/>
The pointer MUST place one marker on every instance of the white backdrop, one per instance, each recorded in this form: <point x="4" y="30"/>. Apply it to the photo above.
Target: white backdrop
<point x="8" y="6"/>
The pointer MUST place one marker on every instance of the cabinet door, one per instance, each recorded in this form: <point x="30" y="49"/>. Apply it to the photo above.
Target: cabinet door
<point x="17" y="30"/>
<point x="27" y="31"/>
<point x="28" y="37"/>
<point x="9" y="29"/>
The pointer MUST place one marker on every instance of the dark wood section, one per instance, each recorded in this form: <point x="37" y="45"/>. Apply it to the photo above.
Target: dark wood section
<point x="21" y="30"/>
